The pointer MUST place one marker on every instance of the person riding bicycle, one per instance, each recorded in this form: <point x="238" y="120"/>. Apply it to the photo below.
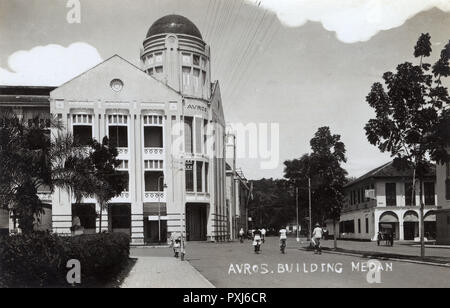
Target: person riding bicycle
<point x="283" y="238"/>
<point x="263" y="235"/>
<point x="316" y="237"/>
<point x="257" y="239"/>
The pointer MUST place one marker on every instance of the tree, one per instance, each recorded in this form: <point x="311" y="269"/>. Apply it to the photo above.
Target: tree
<point x="30" y="159"/>
<point x="108" y="182"/>
<point x="322" y="168"/>
<point x="410" y="115"/>
<point x="27" y="155"/>
<point x="94" y="174"/>
<point x="272" y="205"/>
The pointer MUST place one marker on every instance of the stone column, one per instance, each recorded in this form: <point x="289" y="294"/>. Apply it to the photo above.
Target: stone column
<point x="136" y="170"/>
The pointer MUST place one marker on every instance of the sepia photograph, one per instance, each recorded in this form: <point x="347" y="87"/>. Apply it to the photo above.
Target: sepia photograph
<point x="224" y="149"/>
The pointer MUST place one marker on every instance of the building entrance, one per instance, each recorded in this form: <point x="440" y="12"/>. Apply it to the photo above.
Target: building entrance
<point x="196" y="222"/>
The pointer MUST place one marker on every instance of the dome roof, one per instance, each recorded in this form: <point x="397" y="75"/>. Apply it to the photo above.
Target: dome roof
<point x="174" y="24"/>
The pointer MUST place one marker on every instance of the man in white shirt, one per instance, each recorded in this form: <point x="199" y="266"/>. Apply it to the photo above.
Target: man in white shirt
<point x="283" y="238"/>
<point x="316" y="237"/>
<point x="263" y="234"/>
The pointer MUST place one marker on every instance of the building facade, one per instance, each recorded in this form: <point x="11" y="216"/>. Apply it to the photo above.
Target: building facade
<point x="383" y="201"/>
<point x="28" y="104"/>
<point x="237" y="191"/>
<point x="443" y="213"/>
<point x="167" y="120"/>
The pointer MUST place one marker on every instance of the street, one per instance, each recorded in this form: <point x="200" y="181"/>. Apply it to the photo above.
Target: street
<point x="235" y="265"/>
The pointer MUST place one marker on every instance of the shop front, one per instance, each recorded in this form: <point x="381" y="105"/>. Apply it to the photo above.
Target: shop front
<point x="389" y="224"/>
<point x="155" y="223"/>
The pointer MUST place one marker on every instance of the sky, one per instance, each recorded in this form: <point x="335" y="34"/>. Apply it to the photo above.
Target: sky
<point x="300" y="63"/>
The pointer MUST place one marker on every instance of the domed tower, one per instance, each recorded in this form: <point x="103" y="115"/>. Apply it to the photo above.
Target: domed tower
<point x="174" y="52"/>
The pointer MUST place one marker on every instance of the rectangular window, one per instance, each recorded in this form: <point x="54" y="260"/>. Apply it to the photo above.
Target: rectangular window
<point x="159" y="70"/>
<point x="447" y="182"/>
<point x="85" y="215"/>
<point x="189" y="176"/>
<point x="154" y="181"/>
<point x="391" y="194"/>
<point x="205" y="136"/>
<point x="158" y="58"/>
<point x="150" y="60"/>
<point x="186" y="59"/>
<point x="196" y="60"/>
<point x="198" y="135"/>
<point x="196" y="79"/>
<point x="429" y="193"/>
<point x="188" y="135"/>
<point x="359" y="226"/>
<point x="204" y="77"/>
<point x="347" y="226"/>
<point x="409" y="199"/>
<point x="118" y="135"/>
<point x="153" y="137"/>
<point x="126" y="177"/>
<point x="199" y="165"/>
<point x="186" y="77"/>
<point x="367" y="225"/>
<point x="82" y="134"/>
<point x="120" y="216"/>
<point x="206" y="176"/>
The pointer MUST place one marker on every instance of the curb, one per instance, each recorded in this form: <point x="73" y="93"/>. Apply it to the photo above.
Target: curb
<point x="201" y="276"/>
<point x="155" y="246"/>
<point x="383" y="258"/>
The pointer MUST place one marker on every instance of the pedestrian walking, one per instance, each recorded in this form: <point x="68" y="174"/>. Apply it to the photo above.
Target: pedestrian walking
<point x="283" y="238"/>
<point x="241" y="235"/>
<point x="175" y="243"/>
<point x="263" y="234"/>
<point x="316" y="237"/>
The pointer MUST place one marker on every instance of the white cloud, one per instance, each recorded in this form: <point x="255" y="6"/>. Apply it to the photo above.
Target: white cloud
<point x="50" y="65"/>
<point x="352" y="20"/>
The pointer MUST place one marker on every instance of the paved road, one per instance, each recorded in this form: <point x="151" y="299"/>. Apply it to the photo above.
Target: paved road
<point x="220" y="264"/>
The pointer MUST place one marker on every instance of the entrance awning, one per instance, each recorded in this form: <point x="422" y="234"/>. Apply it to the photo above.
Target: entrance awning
<point x="155" y="209"/>
<point x="411" y="217"/>
<point x="430" y="218"/>
<point x="386" y="226"/>
<point x="389" y="217"/>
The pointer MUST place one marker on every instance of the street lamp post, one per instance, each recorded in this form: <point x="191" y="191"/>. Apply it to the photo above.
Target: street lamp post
<point x="296" y="205"/>
<point x="310" y="208"/>
<point x="159" y="206"/>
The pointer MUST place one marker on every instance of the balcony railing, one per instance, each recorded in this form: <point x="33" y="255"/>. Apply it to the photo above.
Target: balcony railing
<point x="124" y="196"/>
<point x="154" y="196"/>
<point x="122" y="151"/>
<point x="154" y="153"/>
<point x="45" y="196"/>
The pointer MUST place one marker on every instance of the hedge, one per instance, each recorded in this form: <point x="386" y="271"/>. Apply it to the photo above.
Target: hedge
<point x="39" y="260"/>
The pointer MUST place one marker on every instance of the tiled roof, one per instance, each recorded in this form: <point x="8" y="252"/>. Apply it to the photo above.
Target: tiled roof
<point x="388" y="170"/>
<point x="24" y="95"/>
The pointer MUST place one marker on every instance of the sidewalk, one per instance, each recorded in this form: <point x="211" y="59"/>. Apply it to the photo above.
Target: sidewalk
<point x="400" y="251"/>
<point x="164" y="272"/>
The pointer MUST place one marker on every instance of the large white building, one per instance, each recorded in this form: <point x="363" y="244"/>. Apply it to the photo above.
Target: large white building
<point x="382" y="201"/>
<point x="167" y="120"/>
<point x="443" y="213"/>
